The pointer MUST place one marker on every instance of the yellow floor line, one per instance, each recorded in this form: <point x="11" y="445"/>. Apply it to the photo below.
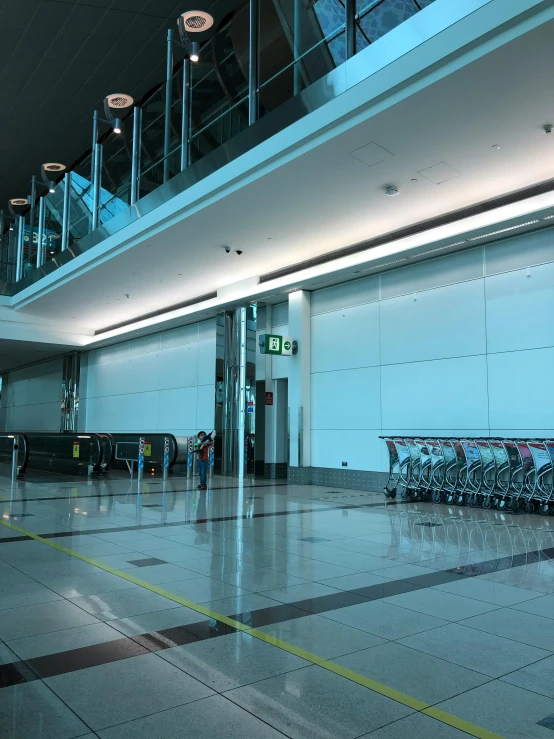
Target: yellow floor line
<point x="385" y="690"/>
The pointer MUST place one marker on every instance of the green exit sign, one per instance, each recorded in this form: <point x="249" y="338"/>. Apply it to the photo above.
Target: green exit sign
<point x="275" y="344"/>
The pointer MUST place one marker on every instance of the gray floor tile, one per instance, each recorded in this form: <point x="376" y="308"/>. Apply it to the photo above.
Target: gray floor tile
<point x="316" y="704"/>
<point x="539" y="606"/>
<point x="241" y="603"/>
<point x="209" y="718"/>
<point x="123" y="603"/>
<point x="147" y="623"/>
<point x="11" y="576"/>
<point x="52" y="571"/>
<point x="402" y="572"/>
<point x="517" y="625"/>
<point x="416" y="726"/>
<point x="76" y="586"/>
<point x="299" y="592"/>
<point x="231" y="661"/>
<point x="216" y="566"/>
<point x="61" y="641"/>
<point x="27" y="594"/>
<point x="258" y="579"/>
<point x="322" y="636"/>
<point x="476" y="650"/>
<point x="417" y="674"/>
<point x="489" y="592"/>
<point x="313" y="569"/>
<point x="538" y="677"/>
<point x="355" y="582"/>
<point x="123" y="691"/>
<point x="163" y="573"/>
<point x="6" y="655"/>
<point x="202" y="589"/>
<point x="31" y="711"/>
<point x="17" y="623"/>
<point x="442" y="605"/>
<point x="504" y="709"/>
<point x="383" y="619"/>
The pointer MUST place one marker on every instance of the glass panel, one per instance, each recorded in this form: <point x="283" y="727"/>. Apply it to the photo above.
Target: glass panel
<point x="9" y="252"/>
<point x="53" y="213"/>
<point x="115" y="193"/>
<point x="377" y="19"/>
<point x="299" y="44"/>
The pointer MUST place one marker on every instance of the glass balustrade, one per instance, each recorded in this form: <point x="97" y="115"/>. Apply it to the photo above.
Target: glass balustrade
<point x="298" y="44"/>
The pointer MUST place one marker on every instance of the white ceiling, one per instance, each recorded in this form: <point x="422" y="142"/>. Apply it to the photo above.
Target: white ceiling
<point x="19" y="353"/>
<point x="326" y="199"/>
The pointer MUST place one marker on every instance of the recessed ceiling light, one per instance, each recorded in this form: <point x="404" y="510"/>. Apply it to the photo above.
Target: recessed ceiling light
<point x="503" y="230"/>
<point x="391" y="191"/>
<point x="548" y="218"/>
<point x="496" y="146"/>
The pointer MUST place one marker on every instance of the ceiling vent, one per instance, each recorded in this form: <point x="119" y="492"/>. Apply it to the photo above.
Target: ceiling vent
<point x="54" y="167"/>
<point x="196" y="21"/>
<point x="119" y="101"/>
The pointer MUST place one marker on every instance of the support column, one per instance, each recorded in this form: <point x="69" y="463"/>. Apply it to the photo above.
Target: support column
<point x="70" y="392"/>
<point x="239" y="389"/>
<point x="299" y="390"/>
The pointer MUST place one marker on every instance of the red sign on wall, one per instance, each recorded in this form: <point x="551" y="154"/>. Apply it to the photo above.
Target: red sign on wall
<point x="269" y="398"/>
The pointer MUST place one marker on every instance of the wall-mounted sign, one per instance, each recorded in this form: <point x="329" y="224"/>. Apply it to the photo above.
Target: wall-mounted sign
<point x="269" y="398"/>
<point x="76" y="450"/>
<point x="275" y="344"/>
<point x="250" y="406"/>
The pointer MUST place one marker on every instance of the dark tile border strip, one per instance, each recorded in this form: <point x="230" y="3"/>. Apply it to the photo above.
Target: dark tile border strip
<point x="184" y="522"/>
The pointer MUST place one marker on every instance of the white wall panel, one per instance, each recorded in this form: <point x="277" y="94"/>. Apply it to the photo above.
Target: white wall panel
<point x="360" y="449"/>
<point x="520" y="389"/>
<point x="151" y="383"/>
<point x="434" y="324"/>
<point x="346" y="399"/>
<point x="32" y="397"/>
<point x="177" y="409"/>
<point x="520" y="309"/>
<point x="346" y="338"/>
<point x="446" y="393"/>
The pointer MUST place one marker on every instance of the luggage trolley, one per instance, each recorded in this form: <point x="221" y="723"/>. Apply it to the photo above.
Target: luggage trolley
<point x="488" y="474"/>
<point x="502" y="474"/>
<point x="452" y="467"/>
<point x="471" y="479"/>
<point x="412" y="488"/>
<point x="511" y="498"/>
<point x="438" y="469"/>
<point x="540" y="479"/>
<point x="425" y="467"/>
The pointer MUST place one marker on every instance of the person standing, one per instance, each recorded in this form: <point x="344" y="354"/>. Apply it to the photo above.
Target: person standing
<point x="203" y="451"/>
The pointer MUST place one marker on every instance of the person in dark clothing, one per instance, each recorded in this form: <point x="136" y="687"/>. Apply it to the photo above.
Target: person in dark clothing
<point x="203" y="451"/>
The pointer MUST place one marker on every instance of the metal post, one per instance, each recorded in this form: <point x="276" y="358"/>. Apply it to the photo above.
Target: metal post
<point x="166" y="460"/>
<point x="65" y="212"/>
<point x="186" y="115"/>
<point x="190" y="457"/>
<point x="40" y="248"/>
<point x="19" y="259"/>
<point x="32" y="198"/>
<point x="96" y="185"/>
<point x="14" y="459"/>
<point x="168" y="81"/>
<point x="350" y="12"/>
<point x="297" y="44"/>
<point x="94" y="142"/>
<point x="253" y="62"/>
<point x="135" y="161"/>
<point x="140" y="469"/>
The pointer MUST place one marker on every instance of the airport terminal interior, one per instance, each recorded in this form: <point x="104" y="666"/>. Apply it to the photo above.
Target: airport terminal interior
<point x="276" y="350"/>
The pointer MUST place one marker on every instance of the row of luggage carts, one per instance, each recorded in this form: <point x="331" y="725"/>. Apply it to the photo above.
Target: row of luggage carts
<point x="513" y="474"/>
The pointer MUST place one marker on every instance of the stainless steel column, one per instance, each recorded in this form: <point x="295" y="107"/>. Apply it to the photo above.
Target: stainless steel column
<point x="94" y="142"/>
<point x="253" y="62"/>
<point x="239" y="376"/>
<point x="168" y="91"/>
<point x="135" y="160"/>
<point x="40" y="237"/>
<point x="19" y="258"/>
<point x="70" y="392"/>
<point x="186" y="115"/>
<point x="65" y="212"/>
<point x="350" y="12"/>
<point x="96" y="185"/>
<point x="297" y="44"/>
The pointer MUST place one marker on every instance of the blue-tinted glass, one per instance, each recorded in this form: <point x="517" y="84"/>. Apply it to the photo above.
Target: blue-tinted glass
<point x="382" y="18"/>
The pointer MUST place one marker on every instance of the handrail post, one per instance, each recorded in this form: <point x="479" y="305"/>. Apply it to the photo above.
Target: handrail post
<point x="350" y="12"/>
<point x="135" y="160"/>
<point x="168" y="83"/>
<point x="65" y="212"/>
<point x="186" y="115"/>
<point x="40" y="237"/>
<point x="253" y="62"/>
<point x="96" y="185"/>
<point x="14" y="459"/>
<point x="20" y="242"/>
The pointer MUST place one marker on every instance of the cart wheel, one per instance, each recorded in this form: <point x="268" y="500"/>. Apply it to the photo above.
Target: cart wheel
<point x="460" y="500"/>
<point x="392" y="493"/>
<point x="404" y="494"/>
<point x="529" y="507"/>
<point x="436" y="497"/>
<point x="474" y="500"/>
<point x="487" y="502"/>
<point x="544" y="509"/>
<point x="450" y="499"/>
<point x="502" y="504"/>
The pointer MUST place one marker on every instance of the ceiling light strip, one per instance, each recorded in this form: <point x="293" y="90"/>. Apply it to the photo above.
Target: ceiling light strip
<point x="503" y="230"/>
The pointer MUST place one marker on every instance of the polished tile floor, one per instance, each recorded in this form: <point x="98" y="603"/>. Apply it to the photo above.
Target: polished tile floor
<point x="346" y="596"/>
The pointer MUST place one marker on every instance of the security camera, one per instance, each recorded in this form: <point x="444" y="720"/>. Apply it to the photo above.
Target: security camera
<point x="548" y="128"/>
<point x="239" y="252"/>
<point x="227" y="249"/>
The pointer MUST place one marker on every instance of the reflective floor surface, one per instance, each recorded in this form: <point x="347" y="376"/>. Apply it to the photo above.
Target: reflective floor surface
<point x="310" y="613"/>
